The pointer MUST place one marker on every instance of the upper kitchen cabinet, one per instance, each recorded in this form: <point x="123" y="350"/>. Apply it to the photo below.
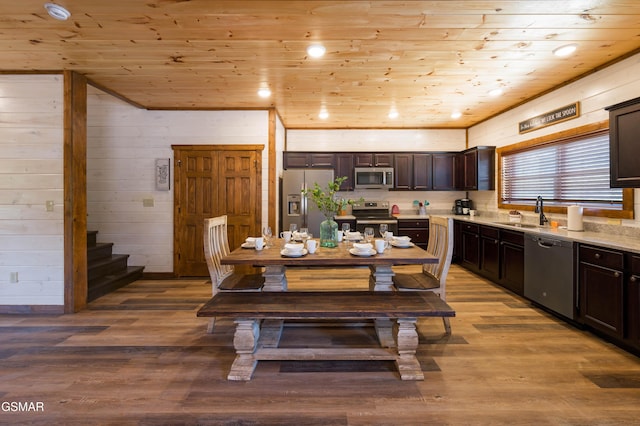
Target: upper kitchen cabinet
<point x="412" y="171"/>
<point x="476" y="169"/>
<point x="624" y="140"/>
<point x="373" y="159"/>
<point x="344" y="167"/>
<point x="297" y="160"/>
<point x="443" y="175"/>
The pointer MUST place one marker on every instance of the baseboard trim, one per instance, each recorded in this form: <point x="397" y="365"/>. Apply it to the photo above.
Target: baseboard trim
<point x="158" y="276"/>
<point x="32" y="309"/>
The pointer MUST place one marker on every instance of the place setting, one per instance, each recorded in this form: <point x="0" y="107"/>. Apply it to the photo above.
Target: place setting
<point x="294" y="250"/>
<point x="401" y="242"/>
<point x="362" y="249"/>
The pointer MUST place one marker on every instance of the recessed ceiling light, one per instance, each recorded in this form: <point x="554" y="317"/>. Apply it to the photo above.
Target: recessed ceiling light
<point x="456" y="114"/>
<point x="393" y="114"/>
<point x="57" y="12"/>
<point x="565" y="50"/>
<point x="324" y="114"/>
<point x="264" y="92"/>
<point x="316" y="50"/>
<point x="495" y="92"/>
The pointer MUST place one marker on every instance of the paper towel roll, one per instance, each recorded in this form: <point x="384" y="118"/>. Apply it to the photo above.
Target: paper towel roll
<point x="574" y="218"/>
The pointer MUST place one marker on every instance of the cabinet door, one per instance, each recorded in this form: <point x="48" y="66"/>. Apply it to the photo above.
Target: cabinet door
<point x="512" y="267"/>
<point x="601" y="298"/>
<point x="323" y="160"/>
<point x="294" y="160"/>
<point x="421" y="172"/>
<point x="633" y="303"/>
<point x="384" y="159"/>
<point x="363" y="159"/>
<point x="344" y="167"/>
<point x="470" y="170"/>
<point x="443" y="166"/>
<point x="490" y="253"/>
<point x="403" y="171"/>
<point x="624" y="128"/>
<point x="470" y="250"/>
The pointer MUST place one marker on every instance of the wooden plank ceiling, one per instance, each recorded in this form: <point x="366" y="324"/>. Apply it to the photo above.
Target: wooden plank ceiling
<point x="426" y="59"/>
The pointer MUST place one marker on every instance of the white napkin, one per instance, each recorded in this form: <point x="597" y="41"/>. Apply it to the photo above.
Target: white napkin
<point x="251" y="239"/>
<point x="363" y="246"/>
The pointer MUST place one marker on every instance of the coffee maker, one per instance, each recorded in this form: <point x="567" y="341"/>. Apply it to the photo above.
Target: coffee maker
<point x="462" y="206"/>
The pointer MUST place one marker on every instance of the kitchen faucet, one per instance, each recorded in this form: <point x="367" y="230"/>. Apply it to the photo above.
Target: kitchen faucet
<point x="538" y="209"/>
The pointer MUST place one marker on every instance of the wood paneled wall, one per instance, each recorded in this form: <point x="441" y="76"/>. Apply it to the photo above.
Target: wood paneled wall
<point x="123" y="144"/>
<point x="31" y="172"/>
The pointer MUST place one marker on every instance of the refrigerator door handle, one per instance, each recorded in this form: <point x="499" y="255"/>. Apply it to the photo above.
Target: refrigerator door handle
<point x="304" y="203"/>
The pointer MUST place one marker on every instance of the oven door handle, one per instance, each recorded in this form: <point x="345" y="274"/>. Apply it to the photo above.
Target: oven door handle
<point x="375" y="221"/>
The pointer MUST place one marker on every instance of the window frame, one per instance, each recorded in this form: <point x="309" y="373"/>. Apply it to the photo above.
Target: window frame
<point x="627" y="211"/>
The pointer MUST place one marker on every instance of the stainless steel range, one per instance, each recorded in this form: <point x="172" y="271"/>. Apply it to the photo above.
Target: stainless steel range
<point x="373" y="213"/>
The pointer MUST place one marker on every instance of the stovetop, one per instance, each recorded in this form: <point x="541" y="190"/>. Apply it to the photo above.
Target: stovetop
<point x="371" y="210"/>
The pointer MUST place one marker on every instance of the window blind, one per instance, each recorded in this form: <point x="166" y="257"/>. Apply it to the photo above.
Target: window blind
<point x="566" y="172"/>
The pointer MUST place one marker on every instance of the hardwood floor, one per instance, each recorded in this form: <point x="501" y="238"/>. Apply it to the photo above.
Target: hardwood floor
<point x="140" y="356"/>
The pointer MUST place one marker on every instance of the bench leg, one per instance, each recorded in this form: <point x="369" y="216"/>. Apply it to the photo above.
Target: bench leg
<point x="274" y="278"/>
<point x="381" y="278"/>
<point x="408" y="365"/>
<point x="244" y="341"/>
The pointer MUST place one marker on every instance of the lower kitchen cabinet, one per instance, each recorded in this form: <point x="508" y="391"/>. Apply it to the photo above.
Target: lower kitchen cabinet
<point x="512" y="261"/>
<point x="601" y="289"/>
<point x="490" y="253"/>
<point x="633" y="302"/>
<point x="417" y="229"/>
<point x="470" y="253"/>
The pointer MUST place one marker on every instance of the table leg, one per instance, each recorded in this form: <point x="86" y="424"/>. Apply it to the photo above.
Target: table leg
<point x="381" y="278"/>
<point x="245" y="341"/>
<point x="384" y="331"/>
<point x="408" y="365"/>
<point x="275" y="278"/>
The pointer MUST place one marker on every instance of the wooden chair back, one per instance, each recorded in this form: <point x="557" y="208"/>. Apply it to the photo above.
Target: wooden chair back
<point x="440" y="245"/>
<point x="216" y="246"/>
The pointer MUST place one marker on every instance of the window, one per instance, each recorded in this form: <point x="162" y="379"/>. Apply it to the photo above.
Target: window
<point x="563" y="171"/>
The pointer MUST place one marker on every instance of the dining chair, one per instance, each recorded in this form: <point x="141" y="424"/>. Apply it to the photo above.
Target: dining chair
<point x="224" y="277"/>
<point x="434" y="275"/>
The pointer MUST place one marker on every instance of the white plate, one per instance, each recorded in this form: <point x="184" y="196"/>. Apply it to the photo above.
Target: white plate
<point x="402" y="244"/>
<point x="248" y="244"/>
<point x="362" y="253"/>
<point x="286" y="253"/>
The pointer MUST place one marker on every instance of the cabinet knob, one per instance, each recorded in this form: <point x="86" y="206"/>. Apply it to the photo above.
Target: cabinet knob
<point x="495" y="241"/>
<point x="616" y="274"/>
<point x="633" y="278"/>
<point x="597" y="256"/>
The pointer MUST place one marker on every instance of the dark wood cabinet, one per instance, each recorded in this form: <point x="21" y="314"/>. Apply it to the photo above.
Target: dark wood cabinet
<point x="344" y="167"/>
<point x="633" y="302"/>
<point x="476" y="169"/>
<point x="601" y="289"/>
<point x="373" y="159"/>
<point x="490" y="252"/>
<point x="443" y="171"/>
<point x="624" y="128"/>
<point x="412" y="171"/>
<point x="321" y="160"/>
<point x="512" y="261"/>
<point x="470" y="253"/>
<point x="417" y="229"/>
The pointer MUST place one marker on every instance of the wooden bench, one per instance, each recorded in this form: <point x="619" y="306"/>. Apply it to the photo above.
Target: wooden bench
<point x="263" y="312"/>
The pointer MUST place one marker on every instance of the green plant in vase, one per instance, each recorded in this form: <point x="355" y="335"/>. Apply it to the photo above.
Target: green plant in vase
<point x="326" y="201"/>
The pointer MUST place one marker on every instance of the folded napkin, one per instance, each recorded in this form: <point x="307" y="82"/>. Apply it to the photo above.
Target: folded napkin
<point x="251" y="239"/>
<point x="402" y="239"/>
<point x="362" y="246"/>
<point x="293" y="248"/>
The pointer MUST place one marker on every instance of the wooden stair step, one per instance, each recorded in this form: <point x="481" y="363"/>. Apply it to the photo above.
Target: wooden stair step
<point x="99" y="251"/>
<point x="108" y="283"/>
<point x="106" y="266"/>
<point x="92" y="238"/>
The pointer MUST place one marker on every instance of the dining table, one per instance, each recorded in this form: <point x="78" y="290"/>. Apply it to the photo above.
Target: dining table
<point x="275" y="262"/>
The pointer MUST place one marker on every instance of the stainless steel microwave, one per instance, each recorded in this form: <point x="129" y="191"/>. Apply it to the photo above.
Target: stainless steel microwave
<point x="373" y="177"/>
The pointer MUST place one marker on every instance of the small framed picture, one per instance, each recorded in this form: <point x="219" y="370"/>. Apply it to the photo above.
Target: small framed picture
<point x="163" y="174"/>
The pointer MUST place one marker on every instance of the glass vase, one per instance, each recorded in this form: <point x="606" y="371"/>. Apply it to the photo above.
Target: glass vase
<point x="328" y="229"/>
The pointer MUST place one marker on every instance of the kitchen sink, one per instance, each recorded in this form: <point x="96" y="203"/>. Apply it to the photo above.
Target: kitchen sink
<point x="520" y="225"/>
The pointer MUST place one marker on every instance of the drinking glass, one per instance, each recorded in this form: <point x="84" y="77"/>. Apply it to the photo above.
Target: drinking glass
<point x="368" y="234"/>
<point x="293" y="227"/>
<point x="267" y="234"/>
<point x="304" y="234"/>
<point x="383" y="229"/>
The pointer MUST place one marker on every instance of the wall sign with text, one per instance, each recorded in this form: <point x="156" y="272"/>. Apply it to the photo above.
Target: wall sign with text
<point x="556" y="116"/>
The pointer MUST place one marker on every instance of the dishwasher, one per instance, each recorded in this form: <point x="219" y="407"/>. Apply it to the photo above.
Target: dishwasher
<point x="548" y="273"/>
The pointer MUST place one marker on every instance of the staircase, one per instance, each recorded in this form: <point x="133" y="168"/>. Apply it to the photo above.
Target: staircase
<point x="107" y="271"/>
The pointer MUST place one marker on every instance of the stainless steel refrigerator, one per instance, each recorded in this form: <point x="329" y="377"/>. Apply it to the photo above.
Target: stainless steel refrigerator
<point x="295" y="207"/>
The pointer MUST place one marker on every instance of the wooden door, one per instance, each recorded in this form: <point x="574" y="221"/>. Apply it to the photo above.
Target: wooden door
<point x="211" y="181"/>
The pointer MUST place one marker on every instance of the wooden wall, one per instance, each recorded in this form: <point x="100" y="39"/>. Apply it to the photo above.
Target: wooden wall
<point x="123" y="144"/>
<point x="612" y="85"/>
<point x="31" y="172"/>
